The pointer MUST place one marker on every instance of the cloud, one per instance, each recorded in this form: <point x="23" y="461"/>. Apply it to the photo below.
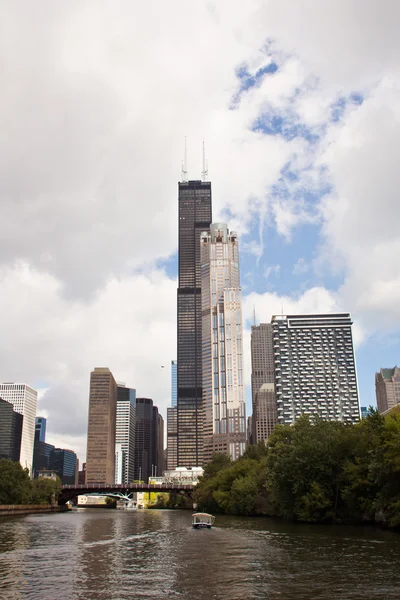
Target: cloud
<point x="96" y="101"/>
<point x="300" y="267"/>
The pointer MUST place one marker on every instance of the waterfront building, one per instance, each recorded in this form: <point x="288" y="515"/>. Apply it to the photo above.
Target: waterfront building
<point x="262" y="382"/>
<point x="82" y="475"/>
<point x="387" y="387"/>
<point x="160" y="456"/>
<point x="42" y="457"/>
<point x="172" y="454"/>
<point x="40" y="429"/>
<point x="194" y="218"/>
<point x="64" y="464"/>
<point x="125" y="432"/>
<point x="118" y="463"/>
<point x="100" y="461"/>
<point x="11" y="423"/>
<point x="183" y="475"/>
<point x="224" y="408"/>
<point x="315" y="370"/>
<point x="144" y="439"/>
<point x="174" y="383"/>
<point x="24" y="400"/>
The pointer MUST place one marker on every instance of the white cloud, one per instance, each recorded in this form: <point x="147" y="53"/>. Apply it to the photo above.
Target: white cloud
<point x="96" y="100"/>
<point x="300" y="267"/>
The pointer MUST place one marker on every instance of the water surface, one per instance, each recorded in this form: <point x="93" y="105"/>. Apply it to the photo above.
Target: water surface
<point x="113" y="555"/>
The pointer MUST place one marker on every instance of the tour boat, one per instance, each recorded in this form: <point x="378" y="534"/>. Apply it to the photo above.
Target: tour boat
<point x="202" y="520"/>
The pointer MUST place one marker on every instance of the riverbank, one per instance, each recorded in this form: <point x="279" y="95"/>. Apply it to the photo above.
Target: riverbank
<point x="7" y="510"/>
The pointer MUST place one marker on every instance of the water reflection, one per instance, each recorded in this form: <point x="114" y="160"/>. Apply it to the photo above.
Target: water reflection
<point x="114" y="555"/>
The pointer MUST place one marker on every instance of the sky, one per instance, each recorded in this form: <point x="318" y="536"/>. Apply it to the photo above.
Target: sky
<point x="299" y="107"/>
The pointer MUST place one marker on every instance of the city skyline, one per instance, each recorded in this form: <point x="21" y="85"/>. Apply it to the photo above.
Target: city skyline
<point x="299" y="119"/>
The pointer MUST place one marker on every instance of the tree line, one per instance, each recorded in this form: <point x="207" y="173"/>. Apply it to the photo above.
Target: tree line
<point x="16" y="486"/>
<point x="313" y="471"/>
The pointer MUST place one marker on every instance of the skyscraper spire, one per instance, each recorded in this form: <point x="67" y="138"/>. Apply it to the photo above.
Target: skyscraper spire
<point x="204" y="173"/>
<point x="184" y="165"/>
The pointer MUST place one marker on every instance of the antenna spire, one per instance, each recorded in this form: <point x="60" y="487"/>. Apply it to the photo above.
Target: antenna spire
<point x="254" y="314"/>
<point x="184" y="165"/>
<point x="204" y="173"/>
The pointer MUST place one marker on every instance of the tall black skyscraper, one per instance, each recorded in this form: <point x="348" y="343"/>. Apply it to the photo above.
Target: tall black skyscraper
<point x="195" y="216"/>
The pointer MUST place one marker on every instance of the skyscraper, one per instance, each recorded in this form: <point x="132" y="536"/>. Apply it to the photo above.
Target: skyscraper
<point x="222" y="344"/>
<point x="194" y="218"/>
<point x="144" y="439"/>
<point x="387" y="387"/>
<point x="40" y="429"/>
<point x="262" y="382"/>
<point x="100" y="462"/>
<point x="125" y="432"/>
<point x="64" y="462"/>
<point x="174" y="383"/>
<point x="10" y="431"/>
<point x="24" y="400"/>
<point x="315" y="369"/>
<point x="172" y="457"/>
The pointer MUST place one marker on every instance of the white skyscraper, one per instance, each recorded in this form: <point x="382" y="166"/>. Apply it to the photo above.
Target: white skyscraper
<point x="224" y="414"/>
<point x="125" y="434"/>
<point x="315" y="371"/>
<point x="24" y="399"/>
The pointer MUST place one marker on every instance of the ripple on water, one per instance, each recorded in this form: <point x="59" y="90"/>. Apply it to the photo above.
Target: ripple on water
<point x="114" y="555"/>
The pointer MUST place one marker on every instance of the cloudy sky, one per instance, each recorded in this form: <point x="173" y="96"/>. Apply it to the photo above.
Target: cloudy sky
<point x="299" y="105"/>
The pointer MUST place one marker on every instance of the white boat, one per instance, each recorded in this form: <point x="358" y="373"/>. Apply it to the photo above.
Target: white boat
<point x="202" y="520"/>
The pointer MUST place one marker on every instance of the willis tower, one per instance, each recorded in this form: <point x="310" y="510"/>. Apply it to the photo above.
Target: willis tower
<point x="194" y="218"/>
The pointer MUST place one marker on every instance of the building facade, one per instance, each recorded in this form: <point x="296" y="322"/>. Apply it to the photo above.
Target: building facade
<point x="194" y="217"/>
<point x="387" y="388"/>
<point x="174" y="383"/>
<point x="64" y="463"/>
<point x="224" y="408"/>
<point x="172" y="450"/>
<point x="24" y="400"/>
<point x="40" y="429"/>
<point x="126" y="432"/>
<point x="262" y="382"/>
<point x="143" y="439"/>
<point x="11" y="423"/>
<point x="100" y="461"/>
<point x="42" y="457"/>
<point x="315" y="371"/>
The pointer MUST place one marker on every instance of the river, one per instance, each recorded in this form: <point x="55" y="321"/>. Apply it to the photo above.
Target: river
<point x="113" y="555"/>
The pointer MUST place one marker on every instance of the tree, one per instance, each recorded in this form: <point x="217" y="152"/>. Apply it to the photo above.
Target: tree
<point x="15" y="483"/>
<point x="45" y="489"/>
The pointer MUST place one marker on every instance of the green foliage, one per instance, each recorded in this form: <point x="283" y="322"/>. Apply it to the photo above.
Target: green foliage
<point x="15" y="483"/>
<point x="45" y="490"/>
<point x="313" y="471"/>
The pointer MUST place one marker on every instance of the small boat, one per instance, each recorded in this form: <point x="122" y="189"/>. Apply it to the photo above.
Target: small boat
<point x="202" y="520"/>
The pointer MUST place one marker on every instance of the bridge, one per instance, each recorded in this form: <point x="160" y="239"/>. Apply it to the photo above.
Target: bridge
<point x="68" y="492"/>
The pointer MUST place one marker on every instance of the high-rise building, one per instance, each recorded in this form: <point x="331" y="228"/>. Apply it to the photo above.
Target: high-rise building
<point x="82" y="475"/>
<point x="10" y="431"/>
<point x="174" y="383"/>
<point x="172" y="455"/>
<point x="160" y="461"/>
<point x="262" y="382"/>
<point x="194" y="218"/>
<point x="24" y="400"/>
<point x="224" y="408"/>
<point x="144" y="439"/>
<point x="125" y="432"/>
<point x="64" y="464"/>
<point x="118" y="463"/>
<point x="387" y="387"/>
<point x="40" y="429"/>
<point x="315" y="370"/>
<point x="100" y="462"/>
<point x="42" y="457"/>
